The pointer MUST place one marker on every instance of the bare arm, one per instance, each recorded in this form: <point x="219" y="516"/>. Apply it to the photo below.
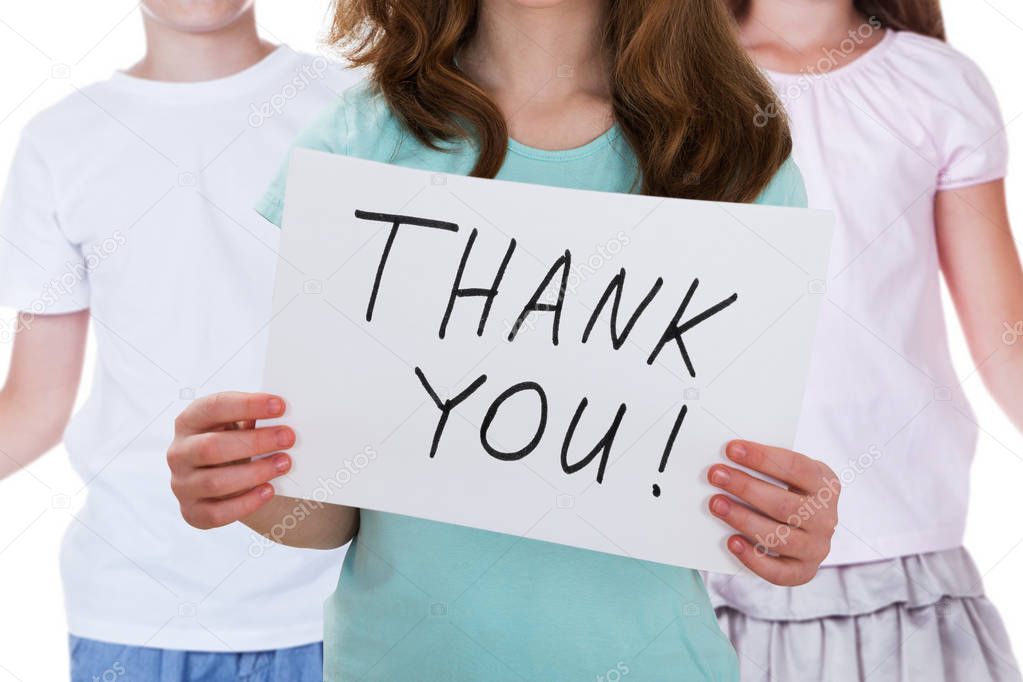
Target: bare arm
<point x="37" y="398"/>
<point x="981" y="265"/>
<point x="317" y="525"/>
<point x="217" y="480"/>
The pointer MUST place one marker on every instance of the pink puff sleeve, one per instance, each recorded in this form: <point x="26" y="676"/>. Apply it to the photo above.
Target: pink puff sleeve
<point x="970" y="133"/>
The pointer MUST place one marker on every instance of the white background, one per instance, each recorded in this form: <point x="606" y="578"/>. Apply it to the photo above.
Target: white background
<point x="49" y="46"/>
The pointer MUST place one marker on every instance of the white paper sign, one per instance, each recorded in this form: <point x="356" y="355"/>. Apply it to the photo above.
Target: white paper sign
<point x="457" y="409"/>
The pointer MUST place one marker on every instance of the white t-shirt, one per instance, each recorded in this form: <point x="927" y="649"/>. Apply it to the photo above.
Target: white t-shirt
<point x="876" y="140"/>
<point x="134" y="198"/>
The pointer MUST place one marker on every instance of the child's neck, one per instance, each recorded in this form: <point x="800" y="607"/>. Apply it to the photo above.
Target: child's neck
<point x="182" y="56"/>
<point x="516" y="47"/>
<point x="545" y="69"/>
<point x="802" y="23"/>
<point x="789" y="35"/>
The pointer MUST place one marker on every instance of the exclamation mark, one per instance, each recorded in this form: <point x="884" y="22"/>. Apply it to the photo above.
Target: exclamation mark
<point x="670" y="444"/>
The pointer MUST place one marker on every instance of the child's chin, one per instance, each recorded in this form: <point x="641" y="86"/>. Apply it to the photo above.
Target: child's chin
<point x="196" y="16"/>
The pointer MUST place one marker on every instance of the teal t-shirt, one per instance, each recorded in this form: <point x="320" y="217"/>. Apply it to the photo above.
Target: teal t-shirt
<point x="421" y="600"/>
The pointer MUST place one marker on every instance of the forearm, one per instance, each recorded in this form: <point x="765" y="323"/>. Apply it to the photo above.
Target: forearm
<point x="42" y="381"/>
<point x="982" y="268"/>
<point x="1003" y="377"/>
<point x="304" y="523"/>
<point x="26" y="431"/>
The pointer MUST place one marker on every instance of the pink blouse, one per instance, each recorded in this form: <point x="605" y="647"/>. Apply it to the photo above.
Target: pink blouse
<point x="876" y="140"/>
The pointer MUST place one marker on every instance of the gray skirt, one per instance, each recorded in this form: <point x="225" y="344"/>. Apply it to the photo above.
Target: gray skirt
<point x="921" y="618"/>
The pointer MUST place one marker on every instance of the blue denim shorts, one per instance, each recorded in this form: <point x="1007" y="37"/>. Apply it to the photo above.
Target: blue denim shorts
<point x="93" y="661"/>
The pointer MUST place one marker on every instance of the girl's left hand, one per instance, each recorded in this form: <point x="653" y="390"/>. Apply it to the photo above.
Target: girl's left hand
<point x="785" y="532"/>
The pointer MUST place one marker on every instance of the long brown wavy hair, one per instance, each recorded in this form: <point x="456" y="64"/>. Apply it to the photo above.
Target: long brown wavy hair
<point x="684" y="94"/>
<point x="919" y="16"/>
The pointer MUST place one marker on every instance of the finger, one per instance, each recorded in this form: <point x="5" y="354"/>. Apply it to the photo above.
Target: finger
<point x="783" y="571"/>
<point x="220" y="409"/>
<point x="792" y="468"/>
<point x="765" y="532"/>
<point x="216" y="513"/>
<point x="224" y="447"/>
<point x="774" y="501"/>
<point x="225" y="481"/>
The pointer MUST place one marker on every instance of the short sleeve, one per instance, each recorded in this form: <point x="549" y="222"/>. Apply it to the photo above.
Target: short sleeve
<point x="41" y="270"/>
<point x="970" y="134"/>
<point x="786" y="187"/>
<point x="328" y="133"/>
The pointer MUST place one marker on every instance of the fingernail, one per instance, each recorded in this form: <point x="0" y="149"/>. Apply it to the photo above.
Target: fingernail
<point x="266" y="492"/>
<point x="719" y="476"/>
<point x="720" y="506"/>
<point x="737" y="451"/>
<point x="282" y="463"/>
<point x="275" y="406"/>
<point x="735" y="544"/>
<point x="284" y="438"/>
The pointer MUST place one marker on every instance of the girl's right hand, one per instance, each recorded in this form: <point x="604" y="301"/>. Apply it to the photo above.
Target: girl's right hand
<point x="213" y="473"/>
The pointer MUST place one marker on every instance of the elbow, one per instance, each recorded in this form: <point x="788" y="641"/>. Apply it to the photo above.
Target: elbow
<point x="340" y="533"/>
<point x="50" y="435"/>
<point x="344" y="537"/>
<point x="46" y="426"/>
